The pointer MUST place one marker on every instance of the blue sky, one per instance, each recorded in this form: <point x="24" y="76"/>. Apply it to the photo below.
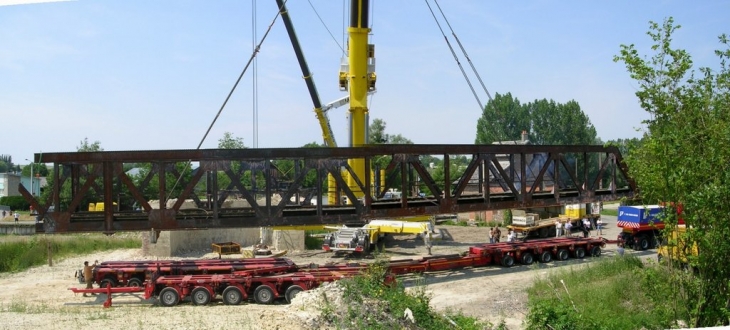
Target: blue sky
<point x="141" y="75"/>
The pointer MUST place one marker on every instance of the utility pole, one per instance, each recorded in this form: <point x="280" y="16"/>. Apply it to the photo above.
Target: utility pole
<point x="32" y="193"/>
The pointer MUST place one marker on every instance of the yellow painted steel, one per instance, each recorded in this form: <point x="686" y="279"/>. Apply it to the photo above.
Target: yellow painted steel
<point x="358" y="86"/>
<point x="329" y="139"/>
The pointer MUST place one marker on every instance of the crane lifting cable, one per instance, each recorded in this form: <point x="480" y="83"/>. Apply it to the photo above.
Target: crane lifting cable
<point x="228" y="97"/>
<point x="463" y="50"/>
<point x="456" y="58"/>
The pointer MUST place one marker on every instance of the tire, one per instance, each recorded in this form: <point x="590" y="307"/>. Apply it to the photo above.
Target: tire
<point x="169" y="297"/>
<point x="232" y="296"/>
<point x="200" y="296"/>
<point x="134" y="282"/>
<point x="527" y="258"/>
<point x="292" y="292"/>
<point x="579" y="253"/>
<point x="546" y="257"/>
<point x="263" y="295"/>
<point x="596" y="251"/>
<point x="508" y="261"/>
<point x="643" y="243"/>
<point x="563" y="254"/>
<point x="106" y="281"/>
<point x="543" y="232"/>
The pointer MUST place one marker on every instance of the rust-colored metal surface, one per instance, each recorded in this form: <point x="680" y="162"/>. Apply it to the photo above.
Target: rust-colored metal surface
<point x="219" y="188"/>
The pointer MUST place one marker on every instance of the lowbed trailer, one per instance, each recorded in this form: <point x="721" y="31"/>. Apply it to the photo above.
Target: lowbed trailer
<point x="135" y="273"/>
<point x="265" y="286"/>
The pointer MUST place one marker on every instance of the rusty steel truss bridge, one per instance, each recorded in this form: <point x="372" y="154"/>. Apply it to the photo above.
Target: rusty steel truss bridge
<point x="227" y="188"/>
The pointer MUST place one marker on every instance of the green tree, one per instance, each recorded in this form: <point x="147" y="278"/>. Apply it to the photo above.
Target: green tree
<point x="377" y="134"/>
<point x="684" y="158"/>
<point x="85" y="146"/>
<point x="228" y="141"/>
<point x="38" y="169"/>
<point x="503" y="118"/>
<point x="564" y="124"/>
<point x="547" y="122"/>
<point x="6" y="163"/>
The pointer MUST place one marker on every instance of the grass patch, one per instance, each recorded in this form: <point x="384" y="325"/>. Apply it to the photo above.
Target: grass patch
<point x="608" y="294"/>
<point x="20" y="253"/>
<point x="612" y="212"/>
<point x="369" y="304"/>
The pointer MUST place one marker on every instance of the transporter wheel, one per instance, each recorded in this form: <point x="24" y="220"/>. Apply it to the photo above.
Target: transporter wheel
<point x="134" y="282"/>
<point x="232" y="296"/>
<point x="200" y="296"/>
<point x="108" y="280"/>
<point x="263" y="295"/>
<point x="643" y="243"/>
<point x="563" y="254"/>
<point x="527" y="258"/>
<point x="508" y="261"/>
<point x="292" y="292"/>
<point x="579" y="252"/>
<point x="596" y="251"/>
<point x="546" y="257"/>
<point x="169" y="297"/>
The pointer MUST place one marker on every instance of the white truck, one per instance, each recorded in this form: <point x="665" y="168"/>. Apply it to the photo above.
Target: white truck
<point x="362" y="239"/>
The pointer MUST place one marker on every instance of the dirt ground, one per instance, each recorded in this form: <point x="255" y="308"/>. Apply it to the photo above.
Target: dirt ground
<point x="39" y="297"/>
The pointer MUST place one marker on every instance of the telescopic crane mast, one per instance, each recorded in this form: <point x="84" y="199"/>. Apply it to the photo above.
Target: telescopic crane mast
<point x="359" y="79"/>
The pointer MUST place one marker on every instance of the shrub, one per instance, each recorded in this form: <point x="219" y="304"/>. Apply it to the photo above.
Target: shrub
<point x="15" y="202"/>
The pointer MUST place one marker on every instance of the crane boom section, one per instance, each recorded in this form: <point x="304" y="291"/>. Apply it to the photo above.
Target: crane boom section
<point x="358" y="56"/>
<point x="327" y="135"/>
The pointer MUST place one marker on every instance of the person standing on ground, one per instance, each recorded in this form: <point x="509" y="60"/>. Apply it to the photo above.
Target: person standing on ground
<point x="16" y="216"/>
<point x="491" y="235"/>
<point x="4" y="214"/>
<point x="510" y="236"/>
<point x="586" y="227"/>
<point x="497" y="234"/>
<point x="558" y="228"/>
<point x="599" y="226"/>
<point x="88" y="276"/>
<point x="427" y="241"/>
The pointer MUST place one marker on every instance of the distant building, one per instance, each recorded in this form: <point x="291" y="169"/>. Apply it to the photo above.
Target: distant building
<point x="9" y="183"/>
